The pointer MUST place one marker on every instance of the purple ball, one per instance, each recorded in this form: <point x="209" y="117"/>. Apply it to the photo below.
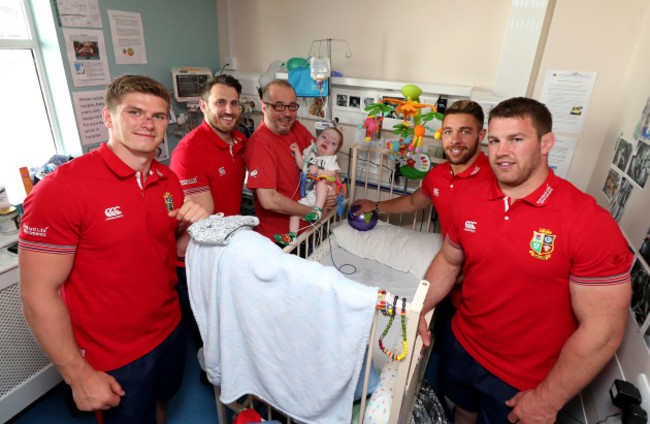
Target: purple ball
<point x="363" y="222"/>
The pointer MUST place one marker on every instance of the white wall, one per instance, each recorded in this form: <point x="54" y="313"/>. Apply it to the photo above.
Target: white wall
<point x="426" y="41"/>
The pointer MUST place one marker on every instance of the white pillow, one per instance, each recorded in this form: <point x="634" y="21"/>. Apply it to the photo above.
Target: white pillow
<point x="400" y="248"/>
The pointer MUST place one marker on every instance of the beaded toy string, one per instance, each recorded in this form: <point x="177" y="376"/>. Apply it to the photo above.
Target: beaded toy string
<point x="391" y="310"/>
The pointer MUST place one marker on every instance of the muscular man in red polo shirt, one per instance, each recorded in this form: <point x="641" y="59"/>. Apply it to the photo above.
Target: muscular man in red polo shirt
<point x="97" y="259"/>
<point x="547" y="286"/>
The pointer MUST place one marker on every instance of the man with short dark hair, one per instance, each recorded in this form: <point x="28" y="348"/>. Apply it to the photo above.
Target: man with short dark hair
<point x="209" y="162"/>
<point x="462" y="132"/>
<point x="97" y="258"/>
<point x="546" y="292"/>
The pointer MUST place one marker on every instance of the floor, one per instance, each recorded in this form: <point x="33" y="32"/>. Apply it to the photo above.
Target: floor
<point x="194" y="403"/>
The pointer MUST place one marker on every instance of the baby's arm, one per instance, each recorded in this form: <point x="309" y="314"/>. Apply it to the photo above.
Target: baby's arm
<point x="297" y="154"/>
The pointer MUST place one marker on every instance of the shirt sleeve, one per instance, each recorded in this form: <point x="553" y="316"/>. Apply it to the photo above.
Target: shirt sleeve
<point x="261" y="164"/>
<point x="600" y="254"/>
<point x="186" y="164"/>
<point x="52" y="219"/>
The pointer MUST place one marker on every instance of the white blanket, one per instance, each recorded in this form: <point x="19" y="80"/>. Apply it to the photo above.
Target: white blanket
<point x="290" y="331"/>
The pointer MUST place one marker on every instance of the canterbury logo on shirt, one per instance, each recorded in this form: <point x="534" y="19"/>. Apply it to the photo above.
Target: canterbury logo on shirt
<point x="253" y="173"/>
<point x="470" y="226"/>
<point x="113" y="212"/>
<point x="222" y="171"/>
<point x="436" y="192"/>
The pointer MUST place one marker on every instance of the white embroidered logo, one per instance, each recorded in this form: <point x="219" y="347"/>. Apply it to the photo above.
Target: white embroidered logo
<point x="113" y="212"/>
<point x="253" y="173"/>
<point x="470" y="226"/>
<point x="436" y="192"/>
<point x="222" y="171"/>
<point x="35" y="231"/>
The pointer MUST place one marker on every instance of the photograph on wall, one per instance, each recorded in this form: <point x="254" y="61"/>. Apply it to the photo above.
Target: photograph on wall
<point x="644" y="250"/>
<point x="355" y="102"/>
<point x="624" y="190"/>
<point x="622" y="153"/>
<point x="342" y="100"/>
<point x="367" y="101"/>
<point x="86" y="53"/>
<point x="316" y="106"/>
<point x="611" y="184"/>
<point x="640" y="164"/>
<point x="642" y="129"/>
<point x="640" y="303"/>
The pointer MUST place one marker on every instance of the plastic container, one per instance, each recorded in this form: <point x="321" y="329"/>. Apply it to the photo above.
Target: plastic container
<point x="9" y="221"/>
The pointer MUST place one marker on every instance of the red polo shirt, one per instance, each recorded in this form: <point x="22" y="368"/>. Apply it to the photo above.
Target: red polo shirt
<point x="204" y="162"/>
<point x="271" y="165"/>
<point x="516" y="314"/>
<point x="120" y="292"/>
<point x="441" y="184"/>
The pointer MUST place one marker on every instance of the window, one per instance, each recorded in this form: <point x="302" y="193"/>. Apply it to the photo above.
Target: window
<point x="29" y="126"/>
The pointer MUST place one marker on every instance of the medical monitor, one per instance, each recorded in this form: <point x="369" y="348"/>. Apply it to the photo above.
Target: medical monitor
<point x="189" y="82"/>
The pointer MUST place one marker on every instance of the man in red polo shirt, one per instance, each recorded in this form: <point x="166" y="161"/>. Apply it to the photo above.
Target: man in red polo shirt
<point x="462" y="132"/>
<point x="272" y="172"/>
<point x="97" y="260"/>
<point x="209" y="162"/>
<point x="547" y="286"/>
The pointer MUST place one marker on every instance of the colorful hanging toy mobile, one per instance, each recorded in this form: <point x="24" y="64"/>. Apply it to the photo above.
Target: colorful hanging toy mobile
<point x="411" y="136"/>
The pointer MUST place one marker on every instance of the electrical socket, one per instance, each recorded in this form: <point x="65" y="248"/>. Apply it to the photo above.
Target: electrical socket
<point x="227" y="63"/>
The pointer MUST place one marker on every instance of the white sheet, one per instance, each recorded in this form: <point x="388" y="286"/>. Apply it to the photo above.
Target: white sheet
<point x="374" y="274"/>
<point x="287" y="330"/>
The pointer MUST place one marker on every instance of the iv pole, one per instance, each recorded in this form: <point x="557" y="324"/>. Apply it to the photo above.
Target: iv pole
<point x="348" y="54"/>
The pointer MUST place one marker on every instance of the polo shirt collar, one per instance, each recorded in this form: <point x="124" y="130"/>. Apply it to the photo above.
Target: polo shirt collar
<point x="121" y="169"/>
<point x="539" y="197"/>
<point x="220" y="142"/>
<point x="481" y="162"/>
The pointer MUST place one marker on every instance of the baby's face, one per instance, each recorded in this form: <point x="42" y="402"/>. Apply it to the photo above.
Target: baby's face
<point x="327" y="143"/>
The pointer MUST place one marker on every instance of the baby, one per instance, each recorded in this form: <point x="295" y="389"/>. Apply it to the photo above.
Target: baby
<point x="318" y="162"/>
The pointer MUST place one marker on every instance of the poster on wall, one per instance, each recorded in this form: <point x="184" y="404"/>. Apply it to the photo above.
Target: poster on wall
<point x="623" y="194"/>
<point x="87" y="57"/>
<point x="622" y="153"/>
<point x="561" y="154"/>
<point x="642" y="129"/>
<point x="566" y="94"/>
<point x="640" y="303"/>
<point x="639" y="168"/>
<point x="611" y="184"/>
<point x="128" y="37"/>
<point x="78" y="13"/>
<point x="88" y="106"/>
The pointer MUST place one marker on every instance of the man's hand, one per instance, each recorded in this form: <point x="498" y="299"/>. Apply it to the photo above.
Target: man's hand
<point x="189" y="212"/>
<point x="529" y="408"/>
<point x="366" y="206"/>
<point x="96" y="390"/>
<point x="423" y="331"/>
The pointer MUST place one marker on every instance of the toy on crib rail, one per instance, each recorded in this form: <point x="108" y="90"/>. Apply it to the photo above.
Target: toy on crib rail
<point x="411" y="136"/>
<point x="362" y="222"/>
<point x="383" y="304"/>
<point x="415" y="166"/>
